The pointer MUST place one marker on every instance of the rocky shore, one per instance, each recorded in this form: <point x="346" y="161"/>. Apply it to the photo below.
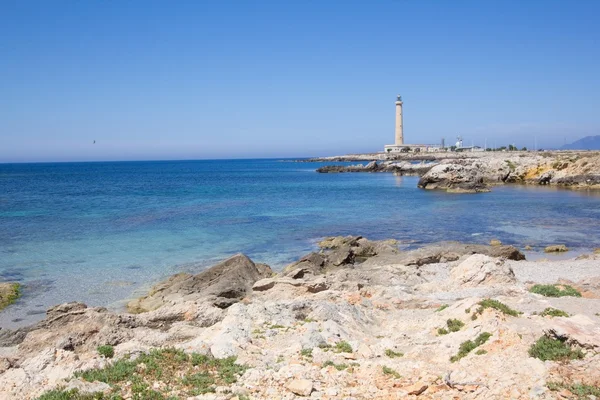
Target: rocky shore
<point x="478" y="172"/>
<point x="358" y="319"/>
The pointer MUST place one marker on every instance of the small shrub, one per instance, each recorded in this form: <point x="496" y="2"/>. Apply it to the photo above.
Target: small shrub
<point x="555" y="290"/>
<point x="553" y="312"/>
<point x="496" y="305"/>
<point x="392" y="354"/>
<point x="343" y="347"/>
<point x="106" y="351"/>
<point x="442" y="331"/>
<point x="390" y="371"/>
<point x="442" y="307"/>
<point x="61" y="394"/>
<point x="454" y="325"/>
<point x="470" y="345"/>
<point x="480" y="352"/>
<point x="306" y="352"/>
<point x="547" y="348"/>
<point x="339" y="367"/>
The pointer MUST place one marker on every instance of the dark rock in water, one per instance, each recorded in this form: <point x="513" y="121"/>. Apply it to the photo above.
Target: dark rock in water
<point x="545" y="178"/>
<point x="370" y="167"/>
<point x="579" y="180"/>
<point x="338" y="251"/>
<point x="224" y="284"/>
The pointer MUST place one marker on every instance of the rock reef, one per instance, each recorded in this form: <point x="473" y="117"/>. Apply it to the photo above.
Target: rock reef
<point x="478" y="172"/>
<point x="358" y="319"/>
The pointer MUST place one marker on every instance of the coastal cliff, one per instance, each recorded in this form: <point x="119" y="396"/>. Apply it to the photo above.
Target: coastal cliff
<point x="477" y="172"/>
<point x="357" y="319"/>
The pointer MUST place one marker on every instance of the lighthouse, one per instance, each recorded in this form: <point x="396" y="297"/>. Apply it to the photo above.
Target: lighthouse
<point x="399" y="134"/>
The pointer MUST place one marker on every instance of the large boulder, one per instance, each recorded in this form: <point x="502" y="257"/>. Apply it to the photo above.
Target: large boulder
<point x="480" y="269"/>
<point x="222" y="285"/>
<point x="454" y="178"/>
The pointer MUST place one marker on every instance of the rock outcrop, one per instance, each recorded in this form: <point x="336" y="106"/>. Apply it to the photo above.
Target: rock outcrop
<point x="454" y="178"/>
<point x="364" y="320"/>
<point x="476" y="172"/>
<point x="479" y="269"/>
<point x="222" y="285"/>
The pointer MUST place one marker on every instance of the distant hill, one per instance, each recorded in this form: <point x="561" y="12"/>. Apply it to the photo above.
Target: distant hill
<point x="587" y="143"/>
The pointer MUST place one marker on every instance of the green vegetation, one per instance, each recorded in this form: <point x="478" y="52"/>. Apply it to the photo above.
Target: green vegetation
<point x="442" y="307"/>
<point x="343" y="347"/>
<point x="454" y="325"/>
<point x="392" y="354"/>
<point x="390" y="371"/>
<point x="480" y="352"/>
<point x="339" y="367"/>
<point x="106" y="351"/>
<point x="553" y="312"/>
<point x="9" y="294"/>
<point x="547" y="348"/>
<point x="470" y="345"/>
<point x="511" y="165"/>
<point x="555" y="290"/>
<point x="496" y="305"/>
<point x="276" y="326"/>
<point x="188" y="375"/>
<point x="306" y="353"/>
<point x="578" y="389"/>
<point x="61" y="394"/>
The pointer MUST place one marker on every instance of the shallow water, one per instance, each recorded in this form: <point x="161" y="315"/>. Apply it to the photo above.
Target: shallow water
<point x="99" y="232"/>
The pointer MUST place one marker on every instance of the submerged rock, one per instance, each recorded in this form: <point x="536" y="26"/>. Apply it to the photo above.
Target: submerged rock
<point x="9" y="293"/>
<point x="556" y="248"/>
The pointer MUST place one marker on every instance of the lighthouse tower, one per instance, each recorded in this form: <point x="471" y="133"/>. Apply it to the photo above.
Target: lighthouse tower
<point x="399" y="134"/>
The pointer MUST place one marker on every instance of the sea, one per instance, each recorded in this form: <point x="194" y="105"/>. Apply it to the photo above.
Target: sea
<point x="104" y="232"/>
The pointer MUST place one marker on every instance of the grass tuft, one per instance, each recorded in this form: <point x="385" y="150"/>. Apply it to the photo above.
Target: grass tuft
<point x="390" y="371"/>
<point x="442" y="307"/>
<point x="106" y="351"/>
<point x="580" y="390"/>
<point x="470" y="345"/>
<point x="339" y="367"/>
<point x="392" y="354"/>
<point x="496" y="305"/>
<point x="555" y="290"/>
<point x="553" y="312"/>
<point x="343" y="347"/>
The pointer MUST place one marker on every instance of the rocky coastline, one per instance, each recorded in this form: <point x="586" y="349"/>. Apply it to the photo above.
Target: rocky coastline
<point x="357" y="319"/>
<point x="479" y="172"/>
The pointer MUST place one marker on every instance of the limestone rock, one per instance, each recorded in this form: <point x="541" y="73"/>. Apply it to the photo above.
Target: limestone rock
<point x="479" y="269"/>
<point x="578" y="329"/>
<point x="454" y="178"/>
<point x="225" y="284"/>
<point x="495" y="242"/>
<point x="301" y="387"/>
<point x="556" y="248"/>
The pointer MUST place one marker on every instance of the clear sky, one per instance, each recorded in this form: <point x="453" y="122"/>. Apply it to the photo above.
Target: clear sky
<point x="219" y="79"/>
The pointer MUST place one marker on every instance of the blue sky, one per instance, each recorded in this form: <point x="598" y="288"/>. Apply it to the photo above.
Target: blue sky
<point x="220" y="79"/>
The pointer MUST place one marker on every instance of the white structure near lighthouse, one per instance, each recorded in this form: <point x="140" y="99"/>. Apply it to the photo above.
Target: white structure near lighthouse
<point x="399" y="145"/>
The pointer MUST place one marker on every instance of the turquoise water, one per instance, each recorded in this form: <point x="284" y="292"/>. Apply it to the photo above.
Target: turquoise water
<point x="101" y="232"/>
